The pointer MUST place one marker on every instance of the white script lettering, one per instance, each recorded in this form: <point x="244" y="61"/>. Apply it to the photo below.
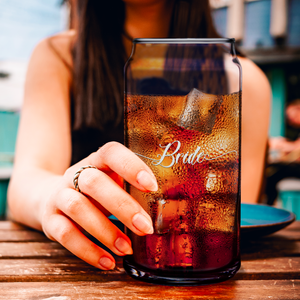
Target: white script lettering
<point x="174" y="156"/>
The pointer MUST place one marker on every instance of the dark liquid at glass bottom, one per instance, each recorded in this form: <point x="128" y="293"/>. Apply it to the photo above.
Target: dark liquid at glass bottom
<point x="192" y="259"/>
<point x="179" y="276"/>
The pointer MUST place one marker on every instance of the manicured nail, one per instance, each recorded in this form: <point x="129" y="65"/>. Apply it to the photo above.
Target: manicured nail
<point x="142" y="223"/>
<point x="147" y="181"/>
<point x="123" y="246"/>
<point x="106" y="263"/>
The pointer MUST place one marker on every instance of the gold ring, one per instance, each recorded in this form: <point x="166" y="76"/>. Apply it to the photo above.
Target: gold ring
<point x="76" y="176"/>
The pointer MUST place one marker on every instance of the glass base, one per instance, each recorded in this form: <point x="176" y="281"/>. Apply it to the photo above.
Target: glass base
<point x="179" y="277"/>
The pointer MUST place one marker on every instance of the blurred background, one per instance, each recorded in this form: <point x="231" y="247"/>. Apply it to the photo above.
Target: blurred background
<point x="22" y="25"/>
<point x="267" y="31"/>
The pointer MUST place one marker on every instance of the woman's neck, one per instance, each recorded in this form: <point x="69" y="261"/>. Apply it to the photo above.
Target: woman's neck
<point x="148" y="19"/>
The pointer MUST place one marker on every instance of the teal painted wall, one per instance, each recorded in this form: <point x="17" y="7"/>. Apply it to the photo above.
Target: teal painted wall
<point x="277" y="81"/>
<point x="9" y="122"/>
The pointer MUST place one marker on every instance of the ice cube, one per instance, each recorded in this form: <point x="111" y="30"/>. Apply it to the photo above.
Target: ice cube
<point x="200" y="111"/>
<point x="162" y="220"/>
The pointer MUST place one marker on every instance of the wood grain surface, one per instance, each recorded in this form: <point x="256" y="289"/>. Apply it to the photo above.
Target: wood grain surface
<point x="35" y="268"/>
<point x="241" y="290"/>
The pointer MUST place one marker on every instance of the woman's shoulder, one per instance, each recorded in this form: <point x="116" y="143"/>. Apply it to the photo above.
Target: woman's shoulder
<point x="56" y="48"/>
<point x="253" y="76"/>
<point x="255" y="86"/>
<point x="256" y="98"/>
<point x="51" y="61"/>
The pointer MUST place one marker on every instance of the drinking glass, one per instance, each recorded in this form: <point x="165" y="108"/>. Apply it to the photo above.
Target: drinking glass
<point x="183" y="119"/>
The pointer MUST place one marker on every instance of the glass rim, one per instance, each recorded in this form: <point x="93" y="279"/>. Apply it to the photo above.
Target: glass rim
<point x="183" y="40"/>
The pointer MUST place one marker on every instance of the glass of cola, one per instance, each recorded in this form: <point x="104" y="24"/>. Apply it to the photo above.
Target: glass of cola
<point x="183" y="119"/>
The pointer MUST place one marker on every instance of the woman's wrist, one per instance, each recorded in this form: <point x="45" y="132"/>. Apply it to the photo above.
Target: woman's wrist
<point x="28" y="193"/>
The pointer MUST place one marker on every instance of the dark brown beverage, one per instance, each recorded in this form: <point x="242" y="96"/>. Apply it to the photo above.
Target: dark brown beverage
<point x="192" y="145"/>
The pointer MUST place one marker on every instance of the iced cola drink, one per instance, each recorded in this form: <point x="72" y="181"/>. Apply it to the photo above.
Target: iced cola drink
<point x="191" y="142"/>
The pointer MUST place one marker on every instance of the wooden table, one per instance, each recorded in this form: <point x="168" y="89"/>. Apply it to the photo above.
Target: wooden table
<point x="33" y="267"/>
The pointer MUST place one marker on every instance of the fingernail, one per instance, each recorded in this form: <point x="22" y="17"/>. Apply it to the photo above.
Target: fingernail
<point x="123" y="246"/>
<point x="106" y="263"/>
<point x="147" y="181"/>
<point x="142" y="223"/>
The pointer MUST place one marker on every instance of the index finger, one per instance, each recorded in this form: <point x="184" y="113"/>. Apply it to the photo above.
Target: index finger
<point x="116" y="157"/>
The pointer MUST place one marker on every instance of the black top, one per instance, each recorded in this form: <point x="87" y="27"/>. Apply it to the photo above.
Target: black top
<point x="86" y="141"/>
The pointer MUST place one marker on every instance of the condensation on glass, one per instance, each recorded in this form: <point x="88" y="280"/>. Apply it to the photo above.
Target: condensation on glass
<point x="183" y="119"/>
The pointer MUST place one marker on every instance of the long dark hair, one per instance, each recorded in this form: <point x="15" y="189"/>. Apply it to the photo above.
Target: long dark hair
<point x="99" y="55"/>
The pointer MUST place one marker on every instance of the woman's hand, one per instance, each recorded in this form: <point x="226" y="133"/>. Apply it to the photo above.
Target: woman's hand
<point x="67" y="211"/>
